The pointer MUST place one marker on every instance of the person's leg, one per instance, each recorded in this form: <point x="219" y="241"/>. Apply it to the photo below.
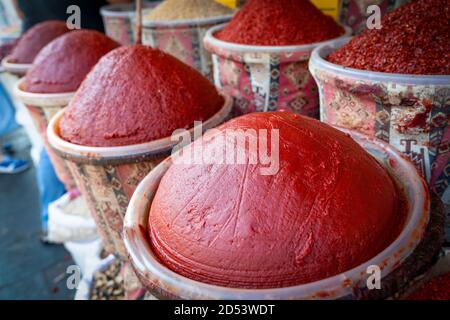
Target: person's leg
<point x="50" y="188"/>
<point x="7" y="113"/>
<point x="7" y="124"/>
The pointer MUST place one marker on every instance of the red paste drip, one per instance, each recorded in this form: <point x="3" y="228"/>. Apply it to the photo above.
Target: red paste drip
<point x="279" y="23"/>
<point x="414" y="39"/>
<point x="436" y="289"/>
<point x="35" y="39"/>
<point x="64" y="63"/>
<point x="330" y="207"/>
<point x="137" y="94"/>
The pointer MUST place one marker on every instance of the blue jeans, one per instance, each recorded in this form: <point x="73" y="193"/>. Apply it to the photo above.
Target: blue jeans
<point x="50" y="188"/>
<point x="7" y="113"/>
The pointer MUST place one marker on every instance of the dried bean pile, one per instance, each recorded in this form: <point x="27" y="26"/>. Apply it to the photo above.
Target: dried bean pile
<point x="108" y="284"/>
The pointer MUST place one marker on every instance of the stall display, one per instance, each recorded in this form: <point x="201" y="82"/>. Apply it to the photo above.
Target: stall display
<point x="119" y="125"/>
<point x="408" y="109"/>
<point x="195" y="168"/>
<point x="56" y="74"/>
<point x="261" y="57"/>
<point x="178" y="27"/>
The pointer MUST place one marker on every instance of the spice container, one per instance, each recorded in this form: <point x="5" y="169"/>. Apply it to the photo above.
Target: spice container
<point x="183" y="39"/>
<point x="42" y="107"/>
<point x="120" y="123"/>
<point x="108" y="176"/>
<point x="119" y="20"/>
<point x="178" y="27"/>
<point x="52" y="81"/>
<point x="30" y="43"/>
<point x="18" y="69"/>
<point x="410" y="112"/>
<point x="264" y="78"/>
<point x="405" y="258"/>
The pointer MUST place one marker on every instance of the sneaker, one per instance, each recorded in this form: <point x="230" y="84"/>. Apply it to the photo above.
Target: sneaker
<point x="43" y="237"/>
<point x="10" y="166"/>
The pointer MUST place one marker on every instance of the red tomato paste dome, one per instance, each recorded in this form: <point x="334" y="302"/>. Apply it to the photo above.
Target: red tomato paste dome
<point x="63" y="64"/>
<point x="137" y="94"/>
<point x="280" y="23"/>
<point x="35" y="39"/>
<point x="330" y="207"/>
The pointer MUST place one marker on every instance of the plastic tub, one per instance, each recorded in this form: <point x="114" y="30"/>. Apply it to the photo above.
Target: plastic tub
<point x="265" y="78"/>
<point x="183" y="39"/>
<point x="119" y="21"/>
<point x="410" y="112"/>
<point x="108" y="176"/>
<point x="164" y="283"/>
<point x="42" y="107"/>
<point x="18" y="69"/>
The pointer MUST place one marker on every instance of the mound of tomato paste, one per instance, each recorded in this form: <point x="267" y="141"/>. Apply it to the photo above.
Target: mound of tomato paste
<point x="279" y="23"/>
<point x="319" y="208"/>
<point x="35" y="39"/>
<point x="413" y="39"/>
<point x="64" y="63"/>
<point x="137" y="94"/>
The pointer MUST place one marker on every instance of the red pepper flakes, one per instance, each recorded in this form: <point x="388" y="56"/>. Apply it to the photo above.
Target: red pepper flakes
<point x="436" y="289"/>
<point x="280" y="23"/>
<point x="414" y="39"/>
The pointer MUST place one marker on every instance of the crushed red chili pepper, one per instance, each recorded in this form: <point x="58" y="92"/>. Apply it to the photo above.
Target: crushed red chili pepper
<point x="414" y="39"/>
<point x="436" y="289"/>
<point x="280" y="23"/>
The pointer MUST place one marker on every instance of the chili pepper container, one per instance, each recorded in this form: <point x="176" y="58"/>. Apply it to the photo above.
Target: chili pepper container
<point x="119" y="20"/>
<point x="265" y="78"/>
<point x="353" y="13"/>
<point x="410" y="112"/>
<point x="108" y="176"/>
<point x="406" y="258"/>
<point x="183" y="39"/>
<point x="42" y="107"/>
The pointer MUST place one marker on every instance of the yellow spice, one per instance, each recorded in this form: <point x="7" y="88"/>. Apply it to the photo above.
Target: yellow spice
<point x="187" y="9"/>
